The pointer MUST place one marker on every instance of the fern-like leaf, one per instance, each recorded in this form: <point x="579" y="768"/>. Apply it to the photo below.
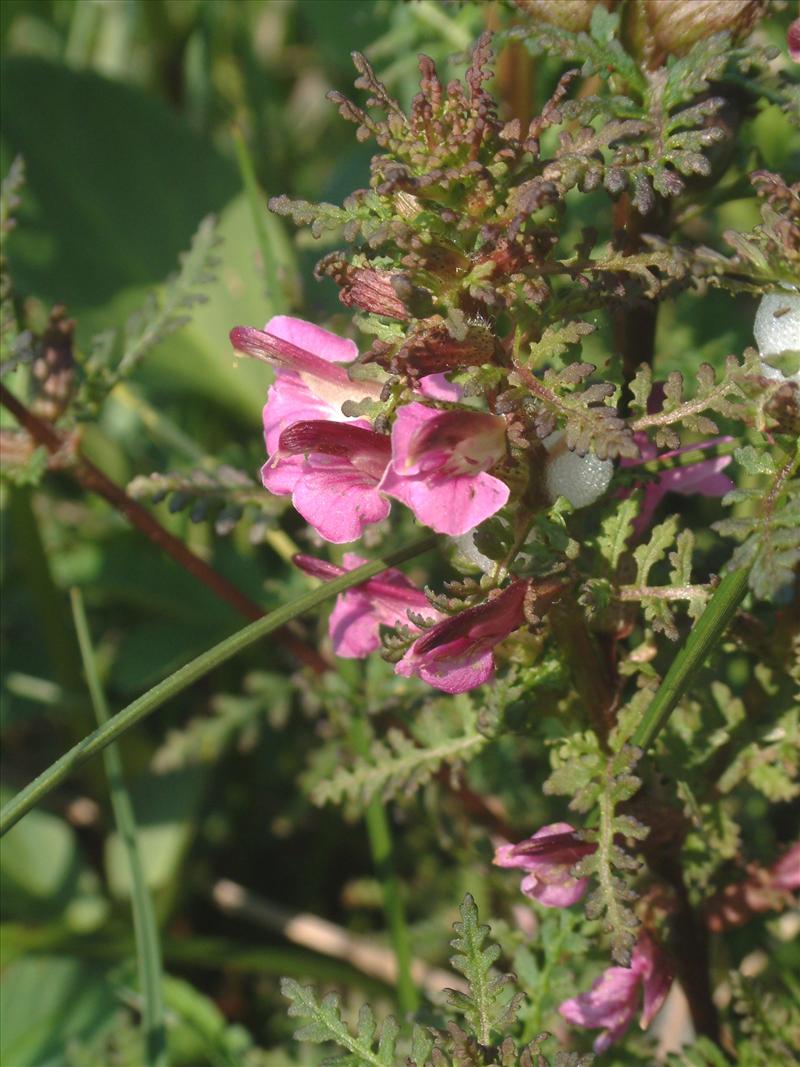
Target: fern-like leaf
<point x="445" y="734"/>
<point x="323" y="1022"/>
<point x="487" y="1007"/>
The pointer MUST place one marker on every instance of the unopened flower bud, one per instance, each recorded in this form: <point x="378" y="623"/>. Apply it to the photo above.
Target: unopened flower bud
<point x="581" y="479"/>
<point x="657" y="28"/>
<point x="574" y="15"/>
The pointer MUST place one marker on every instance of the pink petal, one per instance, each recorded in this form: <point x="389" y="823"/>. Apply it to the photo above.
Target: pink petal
<point x="337" y="500"/>
<point x="786" y="872"/>
<point x="437" y="387"/>
<point x="453" y="668"/>
<point x="280" y="474"/>
<point x="793" y="40"/>
<point x="354" y="628"/>
<point x="653" y="967"/>
<point x="410" y="419"/>
<point x="610" y="1003"/>
<point x="312" y="338"/>
<point x="557" y="894"/>
<point x="289" y="400"/>
<point x="449" y="505"/>
<point x="354" y="441"/>
<point x="704" y="478"/>
<point x="326" y="380"/>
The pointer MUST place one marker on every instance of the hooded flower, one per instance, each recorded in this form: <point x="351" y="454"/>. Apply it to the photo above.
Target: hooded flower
<point x="439" y="464"/>
<point x="335" y="485"/>
<point x="308" y="384"/>
<point x="548" y="856"/>
<point x="704" y="476"/>
<point x="613" y="1000"/>
<point x="355" y="621"/>
<point x="456" y="654"/>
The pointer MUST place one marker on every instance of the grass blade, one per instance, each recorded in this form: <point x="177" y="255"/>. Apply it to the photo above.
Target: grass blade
<point x="148" y="948"/>
<point x="95" y="742"/>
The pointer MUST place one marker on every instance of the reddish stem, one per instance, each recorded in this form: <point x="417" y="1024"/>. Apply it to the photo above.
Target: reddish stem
<point x="92" y="479"/>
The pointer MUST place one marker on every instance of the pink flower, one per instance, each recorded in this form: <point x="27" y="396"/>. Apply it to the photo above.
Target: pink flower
<point x="613" y="1000"/>
<point x="786" y="872"/>
<point x="309" y="353"/>
<point x="355" y="621"/>
<point x="456" y="654"/>
<point x="437" y="387"/>
<point x="548" y="857"/>
<point x="307" y="385"/>
<point x="439" y="464"/>
<point x="703" y="476"/>
<point x="793" y="40"/>
<point x="335" y="487"/>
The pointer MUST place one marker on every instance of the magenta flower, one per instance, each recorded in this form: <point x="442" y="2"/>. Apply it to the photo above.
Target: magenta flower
<point x="549" y="856"/>
<point x="335" y="486"/>
<point x="456" y="654"/>
<point x="793" y="40"/>
<point x="703" y="476"/>
<point x="786" y="872"/>
<point x="437" y="387"/>
<point x="439" y="464"/>
<point x="355" y="621"/>
<point x="613" y="1000"/>
<point x="310" y="354"/>
<point x="308" y="384"/>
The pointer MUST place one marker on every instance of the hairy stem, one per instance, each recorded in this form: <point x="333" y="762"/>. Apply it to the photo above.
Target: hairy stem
<point x="145" y="927"/>
<point x="93" y="480"/>
<point x="197" y="668"/>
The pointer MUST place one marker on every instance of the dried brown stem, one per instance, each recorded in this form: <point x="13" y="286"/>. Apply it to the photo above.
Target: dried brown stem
<point x="93" y="480"/>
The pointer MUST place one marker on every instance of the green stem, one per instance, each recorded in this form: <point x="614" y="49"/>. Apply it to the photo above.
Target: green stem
<point x="183" y="678"/>
<point x="380" y="841"/>
<point x="701" y="641"/>
<point x="50" y="602"/>
<point x="148" y="948"/>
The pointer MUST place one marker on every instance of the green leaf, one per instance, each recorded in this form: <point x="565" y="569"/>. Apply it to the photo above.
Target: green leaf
<point x="166" y="807"/>
<point x="323" y="1022"/>
<point x="445" y="734"/>
<point x="116" y="217"/>
<point x="47" y="1002"/>
<point x="487" y="1007"/>
<point x="616" y="530"/>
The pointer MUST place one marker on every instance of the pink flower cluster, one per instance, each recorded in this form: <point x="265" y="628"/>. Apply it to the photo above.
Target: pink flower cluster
<point x="454" y="655"/>
<point x="548" y="857"/>
<point x="341" y="473"/>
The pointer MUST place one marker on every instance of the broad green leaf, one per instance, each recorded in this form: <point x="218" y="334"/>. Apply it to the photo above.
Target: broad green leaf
<point x="45" y="1003"/>
<point x="166" y="807"/>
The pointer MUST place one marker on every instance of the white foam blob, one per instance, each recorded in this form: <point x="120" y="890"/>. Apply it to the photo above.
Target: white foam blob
<point x="777" y="330"/>
<point x="581" y="479"/>
<point x="467" y="548"/>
